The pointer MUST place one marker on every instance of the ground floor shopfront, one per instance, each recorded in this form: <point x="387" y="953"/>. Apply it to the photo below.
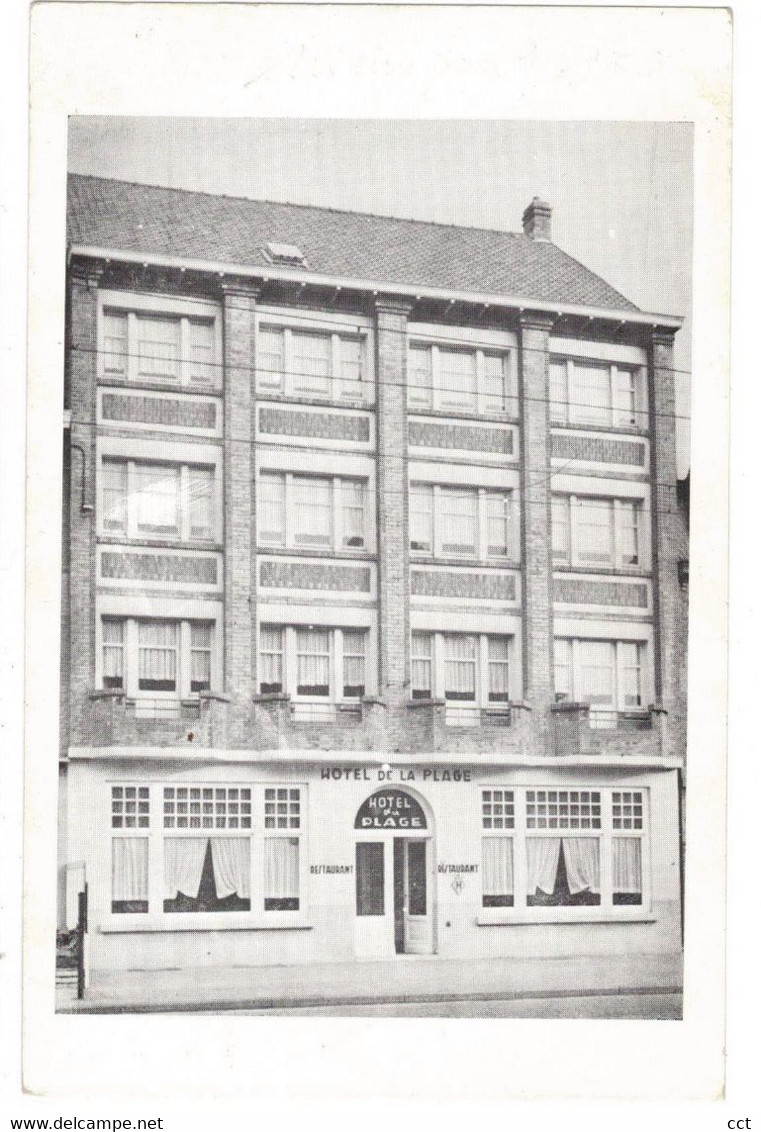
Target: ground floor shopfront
<point x="227" y="860"/>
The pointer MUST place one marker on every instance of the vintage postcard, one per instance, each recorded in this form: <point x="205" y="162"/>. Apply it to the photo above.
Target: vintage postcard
<point x="364" y="436"/>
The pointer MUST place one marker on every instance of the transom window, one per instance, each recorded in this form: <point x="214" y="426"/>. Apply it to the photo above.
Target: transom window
<point x="313" y="663"/>
<point x="462" y="522"/>
<point x="596" y="531"/>
<point x="585" y="392"/>
<point x="160" y="501"/>
<point x="462" y="668"/>
<point x="568" y="846"/>
<point x="458" y="379"/>
<point x="313" y="512"/>
<point x="130" y="807"/>
<point x="161" y="347"/>
<point x="157" y="659"/>
<point x="607" y="675"/>
<point x="199" y="848"/>
<point x="302" y="363"/>
<point x="207" y="807"/>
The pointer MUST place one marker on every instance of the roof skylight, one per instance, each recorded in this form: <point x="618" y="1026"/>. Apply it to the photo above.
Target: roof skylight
<point x="287" y="254"/>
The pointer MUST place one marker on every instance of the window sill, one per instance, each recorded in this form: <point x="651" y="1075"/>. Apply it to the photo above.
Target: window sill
<point x="420" y="558"/>
<point x="312" y="402"/>
<point x="619" y="430"/>
<point x="160" y="387"/>
<point x="618" y="571"/>
<point x="210" y="921"/>
<point x="210" y="545"/>
<point x="581" y="915"/>
<point x="347" y="552"/>
<point x="465" y="415"/>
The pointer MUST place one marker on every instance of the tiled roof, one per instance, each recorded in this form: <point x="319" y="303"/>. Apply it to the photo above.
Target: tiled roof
<point x="125" y="216"/>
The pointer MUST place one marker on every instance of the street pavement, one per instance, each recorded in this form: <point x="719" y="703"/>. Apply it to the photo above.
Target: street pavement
<point x="666" y="1007"/>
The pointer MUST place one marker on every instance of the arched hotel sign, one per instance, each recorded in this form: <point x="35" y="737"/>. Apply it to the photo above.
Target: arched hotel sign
<point x="390" y="809"/>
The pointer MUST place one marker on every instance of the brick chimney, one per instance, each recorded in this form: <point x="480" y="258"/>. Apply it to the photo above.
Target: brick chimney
<point x="537" y="220"/>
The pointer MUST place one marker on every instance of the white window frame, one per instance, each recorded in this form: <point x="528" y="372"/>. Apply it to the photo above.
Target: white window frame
<point x="618" y="667"/>
<point x="131" y="647"/>
<point x="520" y="910"/>
<point x="133" y="306"/>
<point x="483" y="495"/>
<point x="482" y="668"/>
<point x="573" y="504"/>
<point x="156" y="836"/>
<point x="335" y="633"/>
<point x="571" y="409"/>
<point x="336" y="536"/>
<point x="328" y="325"/>
<point x="437" y="399"/>
<point x="182" y="504"/>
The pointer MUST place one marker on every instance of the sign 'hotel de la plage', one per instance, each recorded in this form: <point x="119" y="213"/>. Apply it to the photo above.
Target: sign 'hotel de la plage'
<point x="374" y="591"/>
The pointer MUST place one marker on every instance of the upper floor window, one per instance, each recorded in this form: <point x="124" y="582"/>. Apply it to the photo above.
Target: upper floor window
<point x="313" y="662"/>
<point x="597" y="531"/>
<point x="152" y="500"/>
<point x="608" y="675"/>
<point x="462" y="522"/>
<point x="302" y="363"/>
<point x="454" y="379"/>
<point x="157" y="658"/>
<point x="313" y="512"/>
<point x="142" y="346"/>
<point x="585" y="392"/>
<point x="463" y="668"/>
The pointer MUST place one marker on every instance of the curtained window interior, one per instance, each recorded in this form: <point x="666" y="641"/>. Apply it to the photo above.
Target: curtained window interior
<point x="207" y="874"/>
<point x="562" y="871"/>
<point x="271" y="658"/>
<point x="422" y="666"/>
<point x="497" y="869"/>
<point x="354" y="663"/>
<point x="157" y="656"/>
<point x="281" y="874"/>
<point x="129" y="874"/>
<point x="627" y="870"/>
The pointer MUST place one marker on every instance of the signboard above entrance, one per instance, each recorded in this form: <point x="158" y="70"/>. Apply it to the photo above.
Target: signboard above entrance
<point x="390" y="809"/>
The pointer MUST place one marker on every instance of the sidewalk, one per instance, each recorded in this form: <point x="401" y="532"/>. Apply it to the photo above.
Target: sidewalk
<point x="404" y="979"/>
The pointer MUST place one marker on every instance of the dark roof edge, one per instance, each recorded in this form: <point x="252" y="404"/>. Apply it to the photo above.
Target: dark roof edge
<point x="522" y="302"/>
<point x="296" y="204"/>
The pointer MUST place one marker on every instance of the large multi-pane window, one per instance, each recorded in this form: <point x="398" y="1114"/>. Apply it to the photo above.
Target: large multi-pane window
<point x="610" y="676"/>
<point x="152" y="500"/>
<point x="157" y="658"/>
<point x="161" y="347"/>
<point x="302" y="363"/>
<point x="569" y="847"/>
<point x="313" y="512"/>
<point x="201" y="847"/>
<point x="311" y="662"/>
<point x="458" y="379"/>
<point x="597" y="531"/>
<point x="462" y="522"/>
<point x="585" y="392"/>
<point x="469" y="669"/>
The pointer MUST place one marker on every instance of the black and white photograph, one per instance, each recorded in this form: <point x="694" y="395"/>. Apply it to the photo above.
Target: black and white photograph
<point x="375" y="568"/>
<point x="376" y="579"/>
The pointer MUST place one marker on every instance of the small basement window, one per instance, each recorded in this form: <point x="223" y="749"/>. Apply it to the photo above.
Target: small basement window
<point x="288" y="254"/>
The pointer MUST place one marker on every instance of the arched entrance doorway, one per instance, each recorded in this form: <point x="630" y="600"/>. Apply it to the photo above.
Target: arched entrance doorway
<point x="395" y="877"/>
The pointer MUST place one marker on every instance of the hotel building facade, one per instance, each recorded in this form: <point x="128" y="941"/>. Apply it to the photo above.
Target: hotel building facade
<point x="373" y="596"/>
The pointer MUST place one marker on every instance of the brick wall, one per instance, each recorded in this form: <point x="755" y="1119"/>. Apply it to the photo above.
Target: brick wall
<point x="239" y="514"/>
<point x="393" y="537"/>
<point x="668" y="539"/>
<point x="82" y="403"/>
<point x="537" y="571"/>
